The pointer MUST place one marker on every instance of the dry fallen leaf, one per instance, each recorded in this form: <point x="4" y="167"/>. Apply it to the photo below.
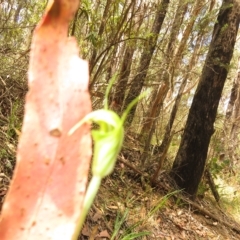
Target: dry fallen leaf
<point x="98" y="215"/>
<point x="46" y="194"/>
<point x="86" y="231"/>
<point x="104" y="234"/>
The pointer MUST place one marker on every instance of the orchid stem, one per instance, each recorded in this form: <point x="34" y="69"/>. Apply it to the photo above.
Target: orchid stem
<point x="88" y="201"/>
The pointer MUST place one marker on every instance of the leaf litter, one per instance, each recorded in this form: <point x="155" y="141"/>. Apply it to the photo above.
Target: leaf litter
<point x="124" y="192"/>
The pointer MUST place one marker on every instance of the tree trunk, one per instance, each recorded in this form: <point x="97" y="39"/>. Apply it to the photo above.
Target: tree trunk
<point x="163" y="148"/>
<point x="121" y="86"/>
<point x="92" y="61"/>
<point x="233" y="141"/>
<point x="190" y="161"/>
<point x="103" y="58"/>
<point x="172" y="65"/>
<point x="125" y="70"/>
<point x="233" y="97"/>
<point x="138" y="81"/>
<point x="236" y="112"/>
<point x="229" y="138"/>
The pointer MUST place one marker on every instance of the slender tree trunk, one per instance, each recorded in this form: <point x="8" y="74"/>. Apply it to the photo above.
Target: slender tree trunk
<point x="190" y="161"/>
<point x="236" y="111"/>
<point x="233" y="141"/>
<point x="17" y="13"/>
<point x="163" y="148"/>
<point x="179" y="54"/>
<point x="226" y="134"/>
<point x="114" y="40"/>
<point x="124" y="74"/>
<point x="138" y="81"/>
<point x="159" y="94"/>
<point x="233" y="96"/>
<point x="172" y="64"/>
<point x="92" y="61"/>
<point x="125" y="70"/>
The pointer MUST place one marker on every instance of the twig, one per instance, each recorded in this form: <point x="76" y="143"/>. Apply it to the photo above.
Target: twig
<point x="122" y="160"/>
<point x="205" y="212"/>
<point x="193" y="204"/>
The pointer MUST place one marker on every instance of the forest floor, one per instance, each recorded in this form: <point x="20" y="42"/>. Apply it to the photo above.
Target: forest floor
<point x="127" y="207"/>
<point x="124" y="208"/>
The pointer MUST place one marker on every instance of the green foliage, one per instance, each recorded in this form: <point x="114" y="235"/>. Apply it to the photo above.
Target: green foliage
<point x="216" y="166"/>
<point x="17" y="20"/>
<point x="224" y="28"/>
<point x="14" y="120"/>
<point x="128" y="233"/>
<point x="85" y="9"/>
<point x="202" y="189"/>
<point x="232" y="205"/>
<point x="118" y="223"/>
<point x="124" y="233"/>
<point x="93" y="38"/>
<point x="162" y="202"/>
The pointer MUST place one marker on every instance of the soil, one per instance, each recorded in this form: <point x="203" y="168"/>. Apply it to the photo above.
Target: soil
<point x="127" y="199"/>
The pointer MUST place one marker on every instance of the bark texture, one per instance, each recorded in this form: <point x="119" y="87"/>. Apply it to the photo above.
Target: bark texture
<point x="190" y="161"/>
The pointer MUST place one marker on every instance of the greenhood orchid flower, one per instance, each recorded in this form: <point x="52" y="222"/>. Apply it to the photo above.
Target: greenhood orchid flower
<point x="108" y="140"/>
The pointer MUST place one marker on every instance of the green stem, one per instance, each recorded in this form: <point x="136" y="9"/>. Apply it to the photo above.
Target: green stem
<point x="88" y="201"/>
<point x="130" y="105"/>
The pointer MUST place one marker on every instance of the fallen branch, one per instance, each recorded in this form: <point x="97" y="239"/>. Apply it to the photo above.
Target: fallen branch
<point x="211" y="215"/>
<point x="185" y="199"/>
<point x="124" y="161"/>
